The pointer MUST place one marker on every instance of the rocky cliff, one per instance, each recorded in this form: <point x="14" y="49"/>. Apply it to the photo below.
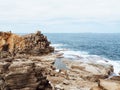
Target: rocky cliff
<point x="17" y="70"/>
<point x="21" y="73"/>
<point x="33" y="44"/>
<point x="25" y="64"/>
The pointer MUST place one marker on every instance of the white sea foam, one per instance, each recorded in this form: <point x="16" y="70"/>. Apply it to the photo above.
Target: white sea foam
<point x="71" y="54"/>
<point x="57" y="45"/>
<point x="86" y="57"/>
<point x="116" y="66"/>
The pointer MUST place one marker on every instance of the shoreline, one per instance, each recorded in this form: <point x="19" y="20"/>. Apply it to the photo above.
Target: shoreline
<point x="89" y="75"/>
<point x="33" y="66"/>
<point x="85" y="57"/>
<point x="77" y="76"/>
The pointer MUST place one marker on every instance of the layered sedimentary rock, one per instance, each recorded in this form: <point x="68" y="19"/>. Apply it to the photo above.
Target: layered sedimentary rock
<point x="25" y="74"/>
<point x="80" y="75"/>
<point x="34" y="44"/>
<point x="39" y="73"/>
<point x="108" y="84"/>
<point x="17" y="70"/>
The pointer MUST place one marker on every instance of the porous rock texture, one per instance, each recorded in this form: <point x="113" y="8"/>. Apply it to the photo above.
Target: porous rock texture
<point x="25" y="74"/>
<point x="18" y="69"/>
<point x="33" y="44"/>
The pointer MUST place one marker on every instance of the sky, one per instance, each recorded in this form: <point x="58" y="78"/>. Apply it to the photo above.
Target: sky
<point x="60" y="16"/>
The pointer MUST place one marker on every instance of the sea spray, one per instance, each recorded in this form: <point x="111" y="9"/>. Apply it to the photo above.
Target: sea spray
<point x="86" y="57"/>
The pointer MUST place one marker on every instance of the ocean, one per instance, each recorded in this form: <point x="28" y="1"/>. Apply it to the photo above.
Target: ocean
<point x="88" y="46"/>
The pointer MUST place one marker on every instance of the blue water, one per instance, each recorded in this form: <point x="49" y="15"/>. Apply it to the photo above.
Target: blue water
<point x="105" y="45"/>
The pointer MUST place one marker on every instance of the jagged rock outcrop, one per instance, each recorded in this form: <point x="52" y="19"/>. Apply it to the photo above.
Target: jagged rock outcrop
<point x="25" y="74"/>
<point x="33" y="44"/>
<point x="36" y="44"/>
<point x="17" y="70"/>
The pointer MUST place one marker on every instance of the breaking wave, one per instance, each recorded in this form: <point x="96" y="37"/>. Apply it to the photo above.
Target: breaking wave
<point x="86" y="57"/>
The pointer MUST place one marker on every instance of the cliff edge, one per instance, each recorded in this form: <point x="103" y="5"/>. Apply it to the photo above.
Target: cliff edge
<point x="32" y="44"/>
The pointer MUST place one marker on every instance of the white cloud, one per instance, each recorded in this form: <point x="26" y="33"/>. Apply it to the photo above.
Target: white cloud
<point x="53" y="15"/>
<point x="29" y="10"/>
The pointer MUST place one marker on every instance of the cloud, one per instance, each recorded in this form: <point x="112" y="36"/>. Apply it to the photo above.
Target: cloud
<point x="26" y="10"/>
<point x="59" y="14"/>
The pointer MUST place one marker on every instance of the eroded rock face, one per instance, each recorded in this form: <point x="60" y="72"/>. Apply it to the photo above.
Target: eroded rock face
<point x="17" y="70"/>
<point x="37" y="44"/>
<point x="25" y="74"/>
<point x="108" y="84"/>
<point x="33" y="44"/>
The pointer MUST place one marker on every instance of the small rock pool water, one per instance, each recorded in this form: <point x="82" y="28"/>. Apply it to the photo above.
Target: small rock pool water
<point x="59" y="64"/>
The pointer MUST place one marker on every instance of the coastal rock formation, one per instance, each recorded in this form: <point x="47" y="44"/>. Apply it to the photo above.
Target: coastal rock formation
<point x="25" y="74"/>
<point x="17" y="70"/>
<point x="89" y="71"/>
<point x="108" y="84"/>
<point x="33" y="44"/>
<point x="80" y="75"/>
<point x="25" y="64"/>
<point x="36" y="44"/>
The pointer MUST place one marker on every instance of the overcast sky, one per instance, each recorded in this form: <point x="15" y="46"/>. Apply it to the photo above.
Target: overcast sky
<point x="96" y="16"/>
